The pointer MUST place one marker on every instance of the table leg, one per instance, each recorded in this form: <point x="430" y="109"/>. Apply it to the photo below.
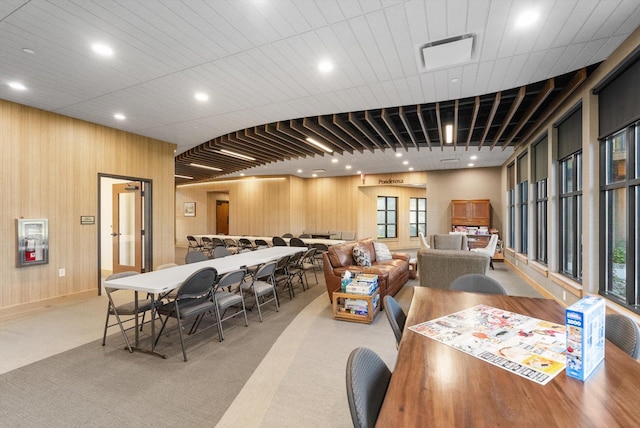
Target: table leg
<point x="137" y="347"/>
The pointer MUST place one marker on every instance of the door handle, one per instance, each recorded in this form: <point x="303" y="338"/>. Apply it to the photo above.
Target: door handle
<point x="116" y="234"/>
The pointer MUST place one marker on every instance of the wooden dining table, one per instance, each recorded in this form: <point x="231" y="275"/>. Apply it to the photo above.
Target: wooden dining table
<point x="434" y="384"/>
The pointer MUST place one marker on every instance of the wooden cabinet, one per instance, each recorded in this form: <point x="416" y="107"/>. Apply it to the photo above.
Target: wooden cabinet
<point x="475" y="212"/>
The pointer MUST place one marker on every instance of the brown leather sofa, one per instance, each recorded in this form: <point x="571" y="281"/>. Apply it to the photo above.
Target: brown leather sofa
<point x="392" y="274"/>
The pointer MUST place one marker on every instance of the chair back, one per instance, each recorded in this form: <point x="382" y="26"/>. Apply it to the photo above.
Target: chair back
<point x="278" y="242"/>
<point x="245" y="243"/>
<point x="297" y="242"/>
<point x="423" y="241"/>
<point x="304" y="235"/>
<point x="266" y="270"/>
<point x="477" y="283"/>
<point x="624" y="333"/>
<point x="195" y="256"/>
<point x="288" y="235"/>
<point x="198" y="284"/>
<point x="261" y="243"/>
<point x="449" y="242"/>
<point x="207" y="242"/>
<point x="367" y="382"/>
<point x="217" y="242"/>
<point x="348" y="236"/>
<point x="231" y="278"/>
<point x="219" y="252"/>
<point x="193" y="243"/>
<point x="396" y="316"/>
<point x="491" y="246"/>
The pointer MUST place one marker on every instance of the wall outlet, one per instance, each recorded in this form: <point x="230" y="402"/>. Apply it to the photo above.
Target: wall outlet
<point x="564" y="295"/>
<point x="62" y="272"/>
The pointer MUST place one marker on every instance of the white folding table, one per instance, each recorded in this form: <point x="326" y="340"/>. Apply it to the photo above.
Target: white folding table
<point x="164" y="280"/>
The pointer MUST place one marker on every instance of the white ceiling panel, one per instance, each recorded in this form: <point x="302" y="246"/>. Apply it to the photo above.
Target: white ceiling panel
<point x="257" y="60"/>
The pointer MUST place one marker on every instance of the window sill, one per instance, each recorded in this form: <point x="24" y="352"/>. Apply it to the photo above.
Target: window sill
<point x="522" y="258"/>
<point x="573" y="287"/>
<point x="540" y="268"/>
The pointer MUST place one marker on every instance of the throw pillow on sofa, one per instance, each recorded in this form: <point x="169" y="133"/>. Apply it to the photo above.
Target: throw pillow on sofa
<point x="360" y="256"/>
<point x="382" y="252"/>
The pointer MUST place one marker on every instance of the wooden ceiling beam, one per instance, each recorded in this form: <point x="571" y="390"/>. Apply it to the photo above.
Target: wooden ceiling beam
<point x="474" y="117"/>
<point x="330" y="126"/>
<point x="386" y="118"/>
<point x="423" y="125"/>
<point x="271" y="132"/>
<point x="544" y="93"/>
<point x="307" y="133"/>
<point x="360" y="127"/>
<point x="326" y="135"/>
<point x="512" y="110"/>
<point x="271" y="151"/>
<point x="439" y="122"/>
<point x="353" y="133"/>
<point x="407" y="127"/>
<point x="494" y="109"/>
<point x="368" y="116"/>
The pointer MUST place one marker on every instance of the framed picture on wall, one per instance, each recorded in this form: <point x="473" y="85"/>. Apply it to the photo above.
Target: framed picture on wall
<point x="33" y="242"/>
<point x="189" y="209"/>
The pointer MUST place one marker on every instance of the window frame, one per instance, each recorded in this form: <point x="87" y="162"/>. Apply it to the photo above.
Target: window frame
<point x="419" y="226"/>
<point x="388" y="222"/>
<point x="630" y="187"/>
<point x="570" y="198"/>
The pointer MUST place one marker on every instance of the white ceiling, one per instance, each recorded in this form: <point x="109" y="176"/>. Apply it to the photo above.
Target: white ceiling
<point x="257" y="59"/>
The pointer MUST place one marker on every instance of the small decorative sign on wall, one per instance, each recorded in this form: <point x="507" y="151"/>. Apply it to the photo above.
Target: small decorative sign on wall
<point x="87" y="219"/>
<point x="33" y="241"/>
<point x="189" y="209"/>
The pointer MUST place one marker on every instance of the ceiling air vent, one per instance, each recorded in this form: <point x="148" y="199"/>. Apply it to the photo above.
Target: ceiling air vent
<point x="318" y="170"/>
<point x="450" y="160"/>
<point x="446" y="52"/>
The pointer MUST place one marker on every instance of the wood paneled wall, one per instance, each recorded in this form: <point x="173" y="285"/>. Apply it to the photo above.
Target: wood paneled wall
<point x="291" y="204"/>
<point x="50" y="166"/>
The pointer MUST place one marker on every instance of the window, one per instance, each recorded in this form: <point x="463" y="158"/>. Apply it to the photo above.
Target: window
<point x="523" y="207"/>
<point x="571" y="216"/>
<point x="387" y="217"/>
<point x="511" y="204"/>
<point x="417" y="216"/>
<point x="540" y="177"/>
<point x="620" y="210"/>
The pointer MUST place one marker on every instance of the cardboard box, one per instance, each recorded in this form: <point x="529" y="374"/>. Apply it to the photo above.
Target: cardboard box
<point x="585" y="336"/>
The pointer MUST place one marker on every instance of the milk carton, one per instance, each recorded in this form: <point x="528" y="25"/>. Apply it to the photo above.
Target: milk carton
<point x="585" y="336"/>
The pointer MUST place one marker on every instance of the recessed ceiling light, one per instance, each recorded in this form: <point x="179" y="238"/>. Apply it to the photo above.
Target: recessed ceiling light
<point x="242" y="174"/>
<point x="411" y="169"/>
<point x="334" y="160"/>
<point x="405" y="163"/>
<point x="17" y="86"/>
<point x="314" y="175"/>
<point x="455" y="80"/>
<point x="299" y="171"/>
<point x="197" y="165"/>
<point x="348" y="167"/>
<point x="448" y="130"/>
<point x="471" y="164"/>
<point x="398" y="155"/>
<point x="474" y="157"/>
<point x="527" y="18"/>
<point x="325" y="66"/>
<point x="102" y="49"/>
<point x="28" y="51"/>
<point x="201" y="96"/>
<point x="119" y="116"/>
<point x="358" y="172"/>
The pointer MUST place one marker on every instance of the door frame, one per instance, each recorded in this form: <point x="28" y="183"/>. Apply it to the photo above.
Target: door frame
<point x="147" y="222"/>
